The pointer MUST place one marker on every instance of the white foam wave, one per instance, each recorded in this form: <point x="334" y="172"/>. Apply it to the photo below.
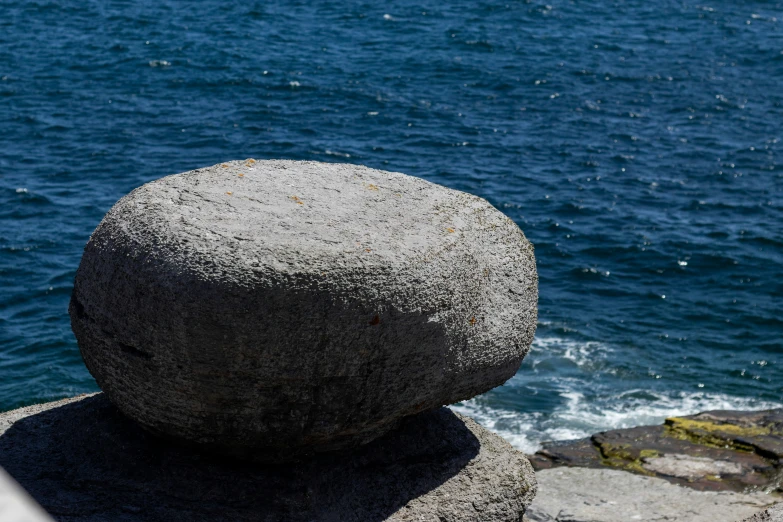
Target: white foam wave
<point x="335" y="153"/>
<point x="578" y="418"/>
<point x="580" y="353"/>
<point x="584" y="407"/>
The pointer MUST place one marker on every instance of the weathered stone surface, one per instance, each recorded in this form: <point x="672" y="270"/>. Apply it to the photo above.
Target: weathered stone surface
<point x="272" y="308"/>
<point x="608" y="495"/>
<point x="85" y="462"/>
<point x="772" y="514"/>
<point x="689" y="467"/>
<point x="710" y="451"/>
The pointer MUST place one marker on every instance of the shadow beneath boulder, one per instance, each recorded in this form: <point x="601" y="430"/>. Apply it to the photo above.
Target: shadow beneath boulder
<point x="85" y="461"/>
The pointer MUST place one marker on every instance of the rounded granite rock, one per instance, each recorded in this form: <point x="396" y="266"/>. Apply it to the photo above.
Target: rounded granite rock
<point x="279" y="308"/>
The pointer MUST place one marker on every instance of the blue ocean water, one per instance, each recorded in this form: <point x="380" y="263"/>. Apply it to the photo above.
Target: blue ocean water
<point x="637" y="144"/>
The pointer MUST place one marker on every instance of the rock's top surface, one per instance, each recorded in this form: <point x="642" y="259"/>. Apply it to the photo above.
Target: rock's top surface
<point x="772" y="514"/>
<point x="607" y="495"/>
<point x="85" y="462"/>
<point x="273" y="308"/>
<point x="715" y="450"/>
<point x="284" y="219"/>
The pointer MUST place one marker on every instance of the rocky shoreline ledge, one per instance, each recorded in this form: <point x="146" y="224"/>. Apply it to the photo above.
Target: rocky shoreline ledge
<point x="713" y="466"/>
<point x="82" y="460"/>
<point x="711" y="451"/>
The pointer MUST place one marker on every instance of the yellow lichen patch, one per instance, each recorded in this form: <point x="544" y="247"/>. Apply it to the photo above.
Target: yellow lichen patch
<point x="472" y="320"/>
<point x="372" y="187"/>
<point x="648" y="454"/>
<point x="679" y="423"/>
<point x="619" y="456"/>
<point x="224" y="165"/>
<point x="249" y="161"/>
<point x="634" y="466"/>
<point x="616" y="451"/>
<point x="450" y="230"/>
<point x="297" y="200"/>
<point x="229" y="193"/>
<point x="241" y="175"/>
<point x="368" y="250"/>
<point x="714" y="434"/>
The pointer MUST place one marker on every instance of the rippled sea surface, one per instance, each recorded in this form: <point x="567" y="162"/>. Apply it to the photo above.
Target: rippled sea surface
<point x="637" y="144"/>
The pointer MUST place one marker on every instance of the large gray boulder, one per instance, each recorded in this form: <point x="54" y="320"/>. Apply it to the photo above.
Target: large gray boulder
<point x="276" y="308"/>
<point x="85" y="462"/>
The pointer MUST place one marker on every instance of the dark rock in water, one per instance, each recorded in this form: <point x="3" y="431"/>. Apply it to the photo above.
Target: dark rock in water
<point x="278" y="308"/>
<point x="772" y="514"/>
<point x="716" y="450"/>
<point x="84" y="461"/>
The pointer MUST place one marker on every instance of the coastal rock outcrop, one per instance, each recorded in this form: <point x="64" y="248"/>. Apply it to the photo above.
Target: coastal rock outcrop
<point x="612" y="495"/>
<point x="720" y="450"/>
<point x="83" y="461"/>
<point x="280" y="308"/>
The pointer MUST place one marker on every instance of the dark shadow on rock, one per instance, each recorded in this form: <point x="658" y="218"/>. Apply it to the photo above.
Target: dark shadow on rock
<point x="85" y="461"/>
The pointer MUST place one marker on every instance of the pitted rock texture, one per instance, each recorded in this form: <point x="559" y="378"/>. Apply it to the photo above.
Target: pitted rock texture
<point x="278" y="308"/>
<point x="611" y="495"/>
<point x="83" y="461"/>
<point x="772" y="514"/>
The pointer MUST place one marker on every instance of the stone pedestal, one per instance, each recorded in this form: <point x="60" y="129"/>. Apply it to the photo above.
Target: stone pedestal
<point x="82" y="460"/>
